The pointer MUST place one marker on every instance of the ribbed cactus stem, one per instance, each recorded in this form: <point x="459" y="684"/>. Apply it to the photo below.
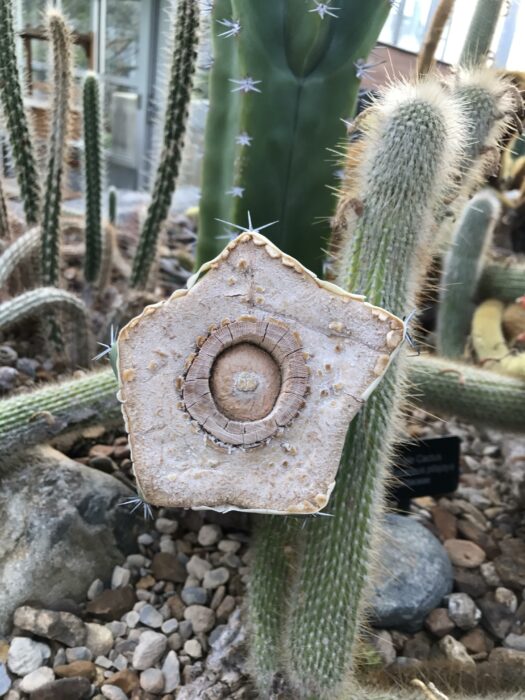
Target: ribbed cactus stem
<point x="5" y="229"/>
<point x="112" y="205"/>
<point x="481" y="31"/>
<point x="410" y="150"/>
<point x="30" y="419"/>
<point x="462" y="268"/>
<point x="505" y="282"/>
<point x="19" y="252"/>
<point x="179" y="93"/>
<point x="93" y="178"/>
<point x="60" y="40"/>
<point x="489" y="342"/>
<point x="11" y="97"/>
<point x="469" y="393"/>
<point x="46" y="301"/>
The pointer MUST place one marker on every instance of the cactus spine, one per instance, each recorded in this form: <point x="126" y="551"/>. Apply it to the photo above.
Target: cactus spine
<point x="17" y="124"/>
<point x="410" y="152"/>
<point x="179" y="92"/>
<point x="461" y="272"/>
<point x="503" y="282"/>
<point x="480" y="33"/>
<point x="470" y="393"/>
<point x="93" y="179"/>
<point x="20" y="251"/>
<point x="60" y="39"/>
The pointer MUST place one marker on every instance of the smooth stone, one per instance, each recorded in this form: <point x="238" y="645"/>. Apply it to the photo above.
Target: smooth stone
<point x="515" y="641"/>
<point x="496" y="618"/>
<point x="510" y="565"/>
<point x="216" y="577"/>
<point x="150" y="617"/>
<point x="132" y="619"/>
<point x="99" y="639"/>
<point x="113" y="692"/>
<point x="169" y="626"/>
<point x="381" y="640"/>
<point x="171" y="671"/>
<point x="439" y="623"/>
<point x="61" y="529"/>
<point x="415" y="576"/>
<point x="194" y="595"/>
<point x="152" y="680"/>
<point x="504" y="656"/>
<point x="506" y="597"/>
<point x="126" y="680"/>
<point x="477" y="641"/>
<point x="464" y="553"/>
<point x="463" y="611"/>
<point x="198" y="567"/>
<point x="26" y="655"/>
<point x="149" y="650"/>
<point x="209" y="535"/>
<point x="193" y="648"/>
<point x="95" y="589"/>
<point x="455" y="651"/>
<point x="5" y="681"/>
<point x="117" y="629"/>
<point x="120" y="577"/>
<point x="77" y="669"/>
<point x="112" y="604"/>
<point x="36" y="679"/>
<point x="60" y="626"/>
<point x="78" y="654"/>
<point x="167" y="567"/>
<point x="64" y="689"/>
<point x="202" y="619"/>
<point x="166" y="526"/>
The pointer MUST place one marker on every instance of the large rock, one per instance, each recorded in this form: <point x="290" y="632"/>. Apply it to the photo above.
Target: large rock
<point x="415" y="575"/>
<point x="62" y="527"/>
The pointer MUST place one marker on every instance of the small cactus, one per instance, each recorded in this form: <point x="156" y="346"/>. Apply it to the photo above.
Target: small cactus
<point x="481" y="31"/>
<point x="93" y="179"/>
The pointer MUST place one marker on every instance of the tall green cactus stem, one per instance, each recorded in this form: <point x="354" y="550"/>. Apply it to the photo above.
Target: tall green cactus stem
<point x="222" y="126"/>
<point x="179" y="93"/>
<point x="14" y="113"/>
<point x="411" y="150"/>
<point x="461" y="272"/>
<point x="5" y="229"/>
<point x="19" y="252"/>
<point x="60" y="40"/>
<point x="112" y="205"/>
<point x="30" y="419"/>
<point x="93" y="178"/>
<point x="41" y="301"/>
<point x="480" y="33"/>
<point x="469" y="393"/>
<point x="503" y="282"/>
<point x="301" y="61"/>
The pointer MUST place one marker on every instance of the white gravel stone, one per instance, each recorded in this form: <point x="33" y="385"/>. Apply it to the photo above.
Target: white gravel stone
<point x="216" y="577"/>
<point x="104" y="662"/>
<point x="229" y="546"/>
<point x="95" y="589"/>
<point x="151" y="617"/>
<point x="463" y="611"/>
<point x="209" y="535"/>
<point x="198" y="567"/>
<point x="99" y="639"/>
<point x="149" y="650"/>
<point x="36" y="679"/>
<point x="202" y="619"/>
<point x="455" y="651"/>
<point x="193" y="648"/>
<point x="120" y="577"/>
<point x="120" y="662"/>
<point x="132" y="619"/>
<point x="26" y="655"/>
<point x="113" y="692"/>
<point x="78" y="654"/>
<point x="507" y="598"/>
<point x="152" y="680"/>
<point x="166" y="526"/>
<point x="489" y="573"/>
<point x="145" y="539"/>
<point x="117" y="628"/>
<point x="168" y="546"/>
<point x="170" y="626"/>
<point x="171" y="671"/>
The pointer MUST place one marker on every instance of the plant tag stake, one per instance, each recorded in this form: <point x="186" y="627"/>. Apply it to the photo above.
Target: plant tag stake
<point x="237" y="393"/>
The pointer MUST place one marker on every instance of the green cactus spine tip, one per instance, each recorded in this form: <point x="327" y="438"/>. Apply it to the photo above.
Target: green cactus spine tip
<point x="93" y="178"/>
<point x="11" y="97"/>
<point x="112" y="205"/>
<point x="481" y="31"/>
<point x="179" y="93"/>
<point x="61" y="48"/>
<point x="462" y="268"/>
<point x="410" y="152"/>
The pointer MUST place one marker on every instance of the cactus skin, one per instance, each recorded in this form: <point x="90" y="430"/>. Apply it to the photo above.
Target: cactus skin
<point x="30" y="419"/>
<point x="179" y="93"/>
<point x="461" y="272"/>
<point x="44" y="300"/>
<point x="489" y="342"/>
<point x="400" y="187"/>
<point x="112" y="205"/>
<point x="469" y="393"/>
<point x="303" y="62"/>
<point x="93" y="178"/>
<point x="503" y="282"/>
<point x="17" y="124"/>
<point x="20" y="251"/>
<point x="480" y="33"/>
<point x="60" y="39"/>
<point x="5" y="228"/>
<point x="425" y="59"/>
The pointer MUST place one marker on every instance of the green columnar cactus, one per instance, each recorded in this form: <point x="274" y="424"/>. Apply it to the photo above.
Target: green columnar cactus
<point x="93" y="178"/>
<point x="461" y="272"/>
<point x="112" y="205"/>
<point x="294" y="58"/>
<point x="60" y="39"/>
<point x="19" y="252"/>
<point x="480" y="33"/>
<point x="503" y="282"/>
<point x="5" y="229"/>
<point x="16" y="119"/>
<point x="179" y="93"/>
<point x="29" y="419"/>
<point x="470" y="393"/>
<point x="410" y="152"/>
<point x="36" y="302"/>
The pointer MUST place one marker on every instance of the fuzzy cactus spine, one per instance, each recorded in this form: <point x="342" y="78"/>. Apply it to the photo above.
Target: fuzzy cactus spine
<point x="179" y="93"/>
<point x="11" y="97"/>
<point x="462" y="268"/>
<point x="93" y="178"/>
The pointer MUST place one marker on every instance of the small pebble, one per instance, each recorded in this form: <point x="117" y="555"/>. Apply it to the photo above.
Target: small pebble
<point x="152" y="680"/>
<point x="165" y="526"/>
<point x="209" y="535"/>
<point x="193" y="648"/>
<point x="150" y="617"/>
<point x="216" y="577"/>
<point x="36" y="679"/>
<point x="120" y="577"/>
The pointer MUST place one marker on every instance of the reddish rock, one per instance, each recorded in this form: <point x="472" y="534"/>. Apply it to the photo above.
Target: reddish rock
<point x="475" y="534"/>
<point x="101" y="451"/>
<point x="477" y="642"/>
<point x="445" y="522"/>
<point x="112" y="604"/>
<point x="510" y="565"/>
<point x="176" y="607"/>
<point x="167" y="567"/>
<point x="507" y="657"/>
<point x="126" y="680"/>
<point x="464" y="553"/>
<point x="81" y="669"/>
<point x="439" y="623"/>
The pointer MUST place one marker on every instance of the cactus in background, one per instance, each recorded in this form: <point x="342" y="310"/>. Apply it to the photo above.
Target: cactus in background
<point x="19" y="252"/>
<point x="112" y="205"/>
<point x="412" y="144"/>
<point x="294" y="58"/>
<point x="60" y="39"/>
<point x="503" y="282"/>
<point x="470" y="393"/>
<point x="179" y="93"/>
<point x="489" y="342"/>
<point x="93" y="178"/>
<point x="14" y="113"/>
<point x="461" y="272"/>
<point x="425" y="59"/>
<point x="481" y="31"/>
<point x="5" y="229"/>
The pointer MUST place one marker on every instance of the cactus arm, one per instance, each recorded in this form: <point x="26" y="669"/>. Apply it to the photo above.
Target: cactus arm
<point x="29" y="419"/>
<point x="425" y="59"/>
<point x="305" y="64"/>
<point x="21" y="250"/>
<point x="60" y="39"/>
<point x="503" y="282"/>
<point x="222" y="125"/>
<point x="16" y="119"/>
<point x="93" y="178"/>
<point x="179" y="93"/>
<point x="489" y="342"/>
<point x="461" y="272"/>
<point x="112" y="205"/>
<point x="480" y="33"/>
<point x="469" y="393"/>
